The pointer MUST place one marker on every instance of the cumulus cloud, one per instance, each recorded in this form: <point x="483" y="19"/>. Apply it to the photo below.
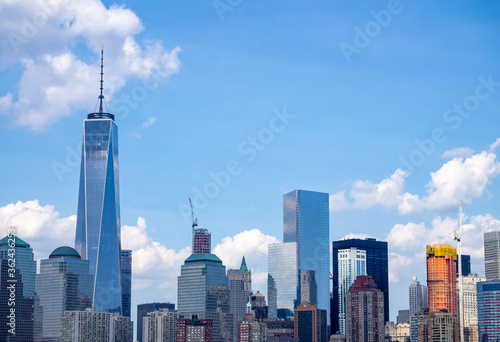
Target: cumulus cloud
<point x="494" y="146"/>
<point x="56" y="82"/>
<point x="459" y="152"/>
<point x="138" y="133"/>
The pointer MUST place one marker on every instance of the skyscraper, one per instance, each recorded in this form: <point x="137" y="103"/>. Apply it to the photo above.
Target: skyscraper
<point x="19" y="283"/>
<point x="202" y="241"/>
<point x="306" y="222"/>
<point x="144" y="309"/>
<point x="247" y="274"/>
<point x="439" y="326"/>
<point x="351" y="264"/>
<point x="470" y="306"/>
<point x="418" y="297"/>
<point x="283" y="277"/>
<point x="98" y="227"/>
<point x="308" y="288"/>
<point x="195" y="330"/>
<point x="203" y="289"/>
<point x="309" y="323"/>
<point x="465" y="265"/>
<point x="488" y="304"/>
<point x="492" y="255"/>
<point x="126" y="274"/>
<point x="365" y="311"/>
<point x="238" y="298"/>
<point x="160" y="326"/>
<point x="441" y="278"/>
<point x="64" y="283"/>
<point x="377" y="266"/>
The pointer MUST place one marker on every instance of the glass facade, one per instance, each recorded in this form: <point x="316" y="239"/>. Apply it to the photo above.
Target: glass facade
<point x="98" y="216"/>
<point x="306" y="221"/>
<point x="283" y="278"/>
<point x="492" y="255"/>
<point x="488" y="310"/>
<point x="64" y="283"/>
<point x="203" y="289"/>
<point x="126" y="272"/>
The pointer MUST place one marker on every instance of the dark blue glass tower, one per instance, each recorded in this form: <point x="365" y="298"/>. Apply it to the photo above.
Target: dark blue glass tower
<point x="126" y="269"/>
<point x="98" y="217"/>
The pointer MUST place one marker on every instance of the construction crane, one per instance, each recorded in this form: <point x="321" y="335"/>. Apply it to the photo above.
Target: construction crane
<point x="194" y="223"/>
<point x="460" y="281"/>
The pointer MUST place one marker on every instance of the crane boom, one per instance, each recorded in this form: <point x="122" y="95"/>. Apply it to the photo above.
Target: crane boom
<point x="193" y="224"/>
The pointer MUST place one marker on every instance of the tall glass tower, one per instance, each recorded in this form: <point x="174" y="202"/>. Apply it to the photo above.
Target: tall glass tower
<point x="306" y="221"/>
<point x="98" y="216"/>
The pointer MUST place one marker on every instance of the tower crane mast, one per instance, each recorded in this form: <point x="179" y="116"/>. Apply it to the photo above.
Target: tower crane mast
<point x="457" y="237"/>
<point x="193" y="224"/>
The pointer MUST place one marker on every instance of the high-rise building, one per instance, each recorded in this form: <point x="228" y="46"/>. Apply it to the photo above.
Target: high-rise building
<point x="309" y="323"/>
<point x="160" y="326"/>
<point x="439" y="326"/>
<point x="308" y="287"/>
<point x="470" y="306"/>
<point x="203" y="290"/>
<point x="144" y="309"/>
<point x="397" y="332"/>
<point x="17" y="280"/>
<point x="238" y="298"/>
<point x="492" y="255"/>
<point x="418" y="295"/>
<point x="441" y="278"/>
<point x="306" y="222"/>
<point x="377" y="266"/>
<point x="466" y="270"/>
<point x="247" y="274"/>
<point x="283" y="278"/>
<point x="351" y="264"/>
<point x="488" y="304"/>
<point x="365" y="311"/>
<point x="280" y="331"/>
<point x="403" y="316"/>
<point x="64" y="283"/>
<point x="195" y="330"/>
<point x="92" y="325"/>
<point x="98" y="227"/>
<point x="202" y="241"/>
<point x="126" y="274"/>
<point x="251" y="330"/>
<point x="259" y="307"/>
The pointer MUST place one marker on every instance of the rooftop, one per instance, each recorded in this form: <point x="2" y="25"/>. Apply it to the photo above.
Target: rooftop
<point x="18" y="241"/>
<point x="197" y="257"/>
<point x="64" y="251"/>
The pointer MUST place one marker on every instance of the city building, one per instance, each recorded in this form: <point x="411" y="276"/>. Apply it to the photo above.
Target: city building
<point x="64" y="283"/>
<point x="418" y="295"/>
<point x="403" y="316"/>
<point x="365" y="311"/>
<point x="470" y="306"/>
<point x="17" y="280"/>
<point x="309" y="323"/>
<point x="441" y="278"/>
<point x="259" y="307"/>
<point x="238" y="298"/>
<point x="247" y="274"/>
<point x="251" y="330"/>
<point x="98" y="227"/>
<point x="195" y="330"/>
<point x="126" y="274"/>
<point x="144" y="309"/>
<point x="488" y="310"/>
<point x="466" y="270"/>
<point x="308" y="287"/>
<point x="351" y="264"/>
<point x="203" y="290"/>
<point x="492" y="255"/>
<point x="306" y="222"/>
<point x="397" y="332"/>
<point x="280" y="331"/>
<point x="283" y="278"/>
<point x="377" y="266"/>
<point x="202" y="241"/>
<point x="436" y="326"/>
<point x="92" y="325"/>
<point x="160" y="326"/>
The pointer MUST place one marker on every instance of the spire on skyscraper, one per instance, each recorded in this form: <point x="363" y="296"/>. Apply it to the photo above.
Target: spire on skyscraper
<point x="243" y="266"/>
<point x="101" y="114"/>
<point x="101" y="96"/>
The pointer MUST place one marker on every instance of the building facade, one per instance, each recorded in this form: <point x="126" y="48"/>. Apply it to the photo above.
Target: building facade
<point x="419" y="297"/>
<point x="251" y="330"/>
<point x="377" y="266"/>
<point x="365" y="311"/>
<point x="203" y="290"/>
<point x="397" y="332"/>
<point x="160" y="326"/>
<point x="202" y="241"/>
<point x="126" y="274"/>
<point x="492" y="255"/>
<point x="280" y="331"/>
<point x="308" y="287"/>
<point x="98" y="228"/>
<point x="488" y="308"/>
<point x="144" y="309"/>
<point x="437" y="326"/>
<point x="64" y="283"/>
<point x="309" y="323"/>
<point x="195" y="330"/>
<point x="238" y="298"/>
<point x="470" y="306"/>
<point x="441" y="278"/>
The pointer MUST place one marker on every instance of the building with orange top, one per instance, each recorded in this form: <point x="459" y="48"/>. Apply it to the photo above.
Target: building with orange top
<point x="441" y="278"/>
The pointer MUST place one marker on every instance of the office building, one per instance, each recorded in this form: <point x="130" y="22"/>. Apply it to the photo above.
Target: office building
<point x="92" y="325"/>
<point x="238" y="298"/>
<point x="98" y="227"/>
<point x="488" y="310"/>
<point x="126" y="274"/>
<point x="202" y="241"/>
<point x="160" y="326"/>
<point x="466" y="270"/>
<point x="377" y="266"/>
<point x="195" y="330"/>
<point x="397" y="332"/>
<point x="283" y="278"/>
<point x="309" y="323"/>
<point x="437" y="326"/>
<point x="203" y="290"/>
<point x="16" y="279"/>
<point x="441" y="278"/>
<point x="64" y="283"/>
<point x="306" y="222"/>
<point x="351" y="264"/>
<point x="365" y="311"/>
<point x="144" y="309"/>
<point x="247" y="274"/>
<point x="251" y="330"/>
<point x="492" y="255"/>
<point x="470" y="306"/>
<point x="418" y="297"/>
<point x="403" y="316"/>
<point x="308" y="287"/>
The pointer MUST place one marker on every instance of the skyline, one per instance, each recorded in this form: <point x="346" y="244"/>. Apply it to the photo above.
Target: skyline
<point x="326" y="124"/>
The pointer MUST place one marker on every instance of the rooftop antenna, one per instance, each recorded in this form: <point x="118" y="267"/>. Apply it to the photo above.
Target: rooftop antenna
<point x="101" y="96"/>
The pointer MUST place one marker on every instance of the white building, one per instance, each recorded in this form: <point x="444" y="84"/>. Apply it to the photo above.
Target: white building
<point x="419" y="297"/>
<point x="159" y="326"/>
<point x="470" y="306"/>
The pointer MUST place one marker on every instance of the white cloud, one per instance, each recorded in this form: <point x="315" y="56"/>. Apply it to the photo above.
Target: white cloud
<point x="138" y="134"/>
<point x="338" y="201"/>
<point x="56" y="82"/>
<point x="397" y="264"/>
<point x="355" y="236"/>
<point x="494" y="146"/>
<point x="459" y="152"/>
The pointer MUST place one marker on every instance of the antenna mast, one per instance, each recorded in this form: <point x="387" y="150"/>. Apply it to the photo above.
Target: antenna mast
<point x="101" y="97"/>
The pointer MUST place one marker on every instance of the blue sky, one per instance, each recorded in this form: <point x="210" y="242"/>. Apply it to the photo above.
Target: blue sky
<point x="200" y="88"/>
